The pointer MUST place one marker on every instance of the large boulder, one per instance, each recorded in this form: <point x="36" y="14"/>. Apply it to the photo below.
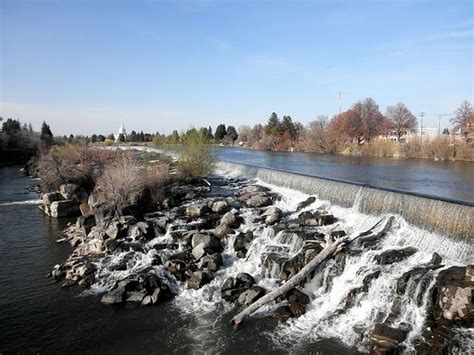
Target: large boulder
<point x="297" y="301"/>
<point x="455" y="287"/>
<point x="259" y="199"/>
<point x="65" y="208"/>
<point x="272" y="215"/>
<point x="197" y="210"/>
<point x="85" y="223"/>
<point x="220" y="207"/>
<point x="394" y="255"/>
<point x="231" y="219"/>
<point x="199" y="279"/>
<point x="50" y="197"/>
<point x="113" y="297"/>
<point x="250" y="296"/>
<point x="208" y="241"/>
<point x="222" y="231"/>
<point x="385" y="339"/>
<point x="73" y="192"/>
<point x="316" y="218"/>
<point x="233" y="287"/>
<point x="310" y="200"/>
<point x="241" y="242"/>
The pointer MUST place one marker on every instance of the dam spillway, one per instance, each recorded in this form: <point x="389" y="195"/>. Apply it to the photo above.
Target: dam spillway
<point x="454" y="219"/>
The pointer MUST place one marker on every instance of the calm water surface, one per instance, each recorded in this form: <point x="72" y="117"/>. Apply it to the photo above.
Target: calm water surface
<point x="451" y="180"/>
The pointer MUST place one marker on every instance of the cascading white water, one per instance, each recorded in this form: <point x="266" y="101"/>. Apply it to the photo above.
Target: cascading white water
<point x="328" y="315"/>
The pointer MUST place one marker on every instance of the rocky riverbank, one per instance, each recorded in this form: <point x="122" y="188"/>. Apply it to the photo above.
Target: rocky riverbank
<point x="187" y="242"/>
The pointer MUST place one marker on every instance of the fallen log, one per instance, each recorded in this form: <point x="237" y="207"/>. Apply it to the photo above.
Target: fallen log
<point x="331" y="247"/>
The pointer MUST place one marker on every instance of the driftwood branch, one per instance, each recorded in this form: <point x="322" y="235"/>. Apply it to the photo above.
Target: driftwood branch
<point x="331" y="247"/>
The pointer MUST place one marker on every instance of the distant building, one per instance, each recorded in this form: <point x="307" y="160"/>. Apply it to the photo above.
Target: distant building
<point x="428" y="134"/>
<point x="121" y="131"/>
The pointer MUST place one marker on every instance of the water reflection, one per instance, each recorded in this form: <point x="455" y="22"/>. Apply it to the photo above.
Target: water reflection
<point x="454" y="180"/>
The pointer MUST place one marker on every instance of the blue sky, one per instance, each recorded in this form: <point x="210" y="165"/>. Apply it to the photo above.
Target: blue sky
<point x="158" y="65"/>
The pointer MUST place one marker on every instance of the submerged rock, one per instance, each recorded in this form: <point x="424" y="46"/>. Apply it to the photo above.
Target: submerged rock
<point x="250" y="296"/>
<point x="386" y="339"/>
<point x="199" y="279"/>
<point x="309" y="201"/>
<point x="394" y="255"/>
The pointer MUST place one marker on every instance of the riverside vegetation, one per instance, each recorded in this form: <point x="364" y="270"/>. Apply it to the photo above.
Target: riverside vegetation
<point x="148" y="227"/>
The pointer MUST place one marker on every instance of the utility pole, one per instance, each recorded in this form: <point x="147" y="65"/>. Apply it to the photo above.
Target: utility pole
<point x="340" y="101"/>
<point x="422" y="114"/>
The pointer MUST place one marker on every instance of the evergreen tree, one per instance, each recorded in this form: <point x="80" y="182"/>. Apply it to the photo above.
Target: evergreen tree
<point x="220" y="132"/>
<point x="232" y="133"/>
<point x="94" y="138"/>
<point x="121" y="138"/>
<point x="100" y="138"/>
<point x="209" y="133"/>
<point x="46" y="135"/>
<point x="133" y="136"/>
<point x="288" y="126"/>
<point x="273" y="127"/>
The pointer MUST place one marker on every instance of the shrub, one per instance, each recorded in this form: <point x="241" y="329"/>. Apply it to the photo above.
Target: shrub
<point x="126" y="181"/>
<point x="72" y="164"/>
<point x="196" y="159"/>
<point x="379" y="148"/>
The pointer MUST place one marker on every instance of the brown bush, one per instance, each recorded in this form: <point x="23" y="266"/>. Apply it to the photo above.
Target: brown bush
<point x="126" y="181"/>
<point x="72" y="164"/>
<point x="379" y="148"/>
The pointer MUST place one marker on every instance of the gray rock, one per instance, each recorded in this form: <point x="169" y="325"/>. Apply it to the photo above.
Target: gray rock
<point x="199" y="279"/>
<point x="394" y="255"/>
<point x="222" y="231"/>
<point x="386" y="339"/>
<point x="230" y="219"/>
<point x="211" y="262"/>
<point x="272" y="215"/>
<point x="135" y="296"/>
<point x="259" y="199"/>
<point x="250" y="296"/>
<point x="310" y="200"/>
<point x="113" y="297"/>
<point x="198" y="251"/>
<point x="208" y="241"/>
<point x="317" y="218"/>
<point x="65" y="208"/>
<point x="50" y="197"/>
<point x="85" y="223"/>
<point x="73" y="192"/>
<point x="197" y="210"/>
<point x="220" y="207"/>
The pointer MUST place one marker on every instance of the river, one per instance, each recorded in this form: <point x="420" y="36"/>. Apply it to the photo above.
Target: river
<point x="37" y="315"/>
<point x="441" y="179"/>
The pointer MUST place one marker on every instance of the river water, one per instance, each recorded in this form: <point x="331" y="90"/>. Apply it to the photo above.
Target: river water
<point x="37" y="315"/>
<point x="443" y="179"/>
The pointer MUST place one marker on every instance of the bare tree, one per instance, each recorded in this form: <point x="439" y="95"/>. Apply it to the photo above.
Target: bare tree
<point x="462" y="115"/>
<point x="373" y="122"/>
<point x="401" y="119"/>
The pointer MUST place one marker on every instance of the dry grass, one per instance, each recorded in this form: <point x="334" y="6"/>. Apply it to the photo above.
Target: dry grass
<point x="127" y="181"/>
<point x="72" y="164"/>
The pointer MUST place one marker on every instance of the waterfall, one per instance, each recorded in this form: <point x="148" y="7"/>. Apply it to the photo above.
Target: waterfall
<point x="442" y="216"/>
<point x="344" y="305"/>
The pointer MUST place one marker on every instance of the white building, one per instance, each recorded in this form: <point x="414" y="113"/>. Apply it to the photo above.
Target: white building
<point x="427" y="134"/>
<point x="121" y="132"/>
